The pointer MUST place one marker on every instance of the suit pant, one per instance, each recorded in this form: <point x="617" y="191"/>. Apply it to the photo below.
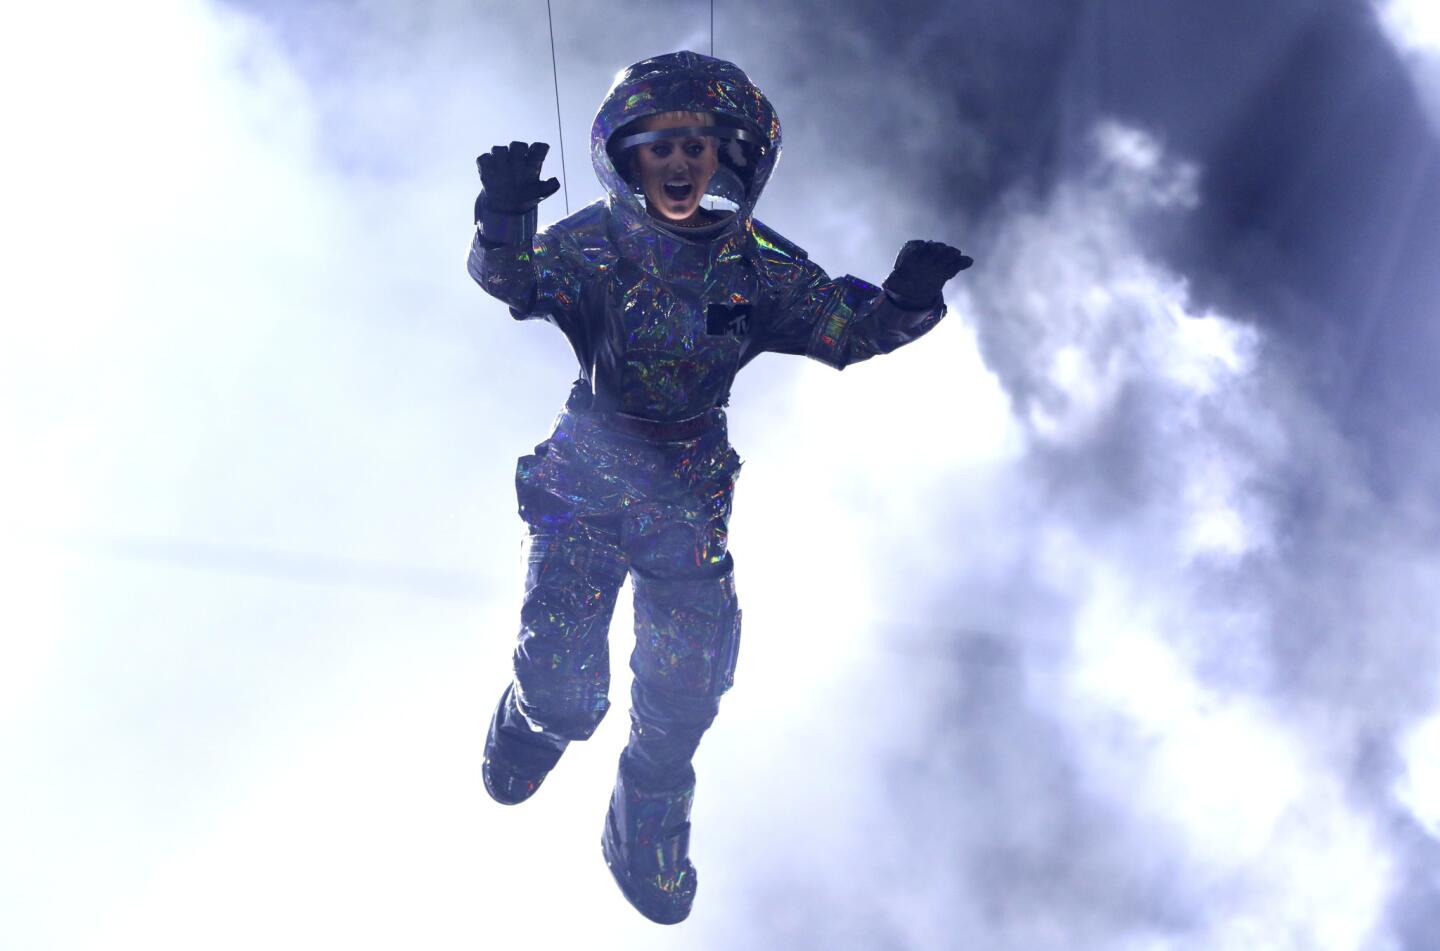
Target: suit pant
<point x="603" y="503"/>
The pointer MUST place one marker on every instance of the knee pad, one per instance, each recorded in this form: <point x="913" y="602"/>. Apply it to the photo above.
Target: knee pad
<point x="571" y="577"/>
<point x="687" y="634"/>
<point x="562" y="661"/>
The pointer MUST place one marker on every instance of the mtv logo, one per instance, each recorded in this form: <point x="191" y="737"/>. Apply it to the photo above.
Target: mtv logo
<point x="727" y="319"/>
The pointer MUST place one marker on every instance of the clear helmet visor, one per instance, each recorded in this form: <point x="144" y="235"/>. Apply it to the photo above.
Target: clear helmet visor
<point x="739" y="150"/>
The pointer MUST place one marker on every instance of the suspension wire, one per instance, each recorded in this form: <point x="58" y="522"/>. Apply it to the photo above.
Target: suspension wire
<point x="555" y="78"/>
<point x="559" y="128"/>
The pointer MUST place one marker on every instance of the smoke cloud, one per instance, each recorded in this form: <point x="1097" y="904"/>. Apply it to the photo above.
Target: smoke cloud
<point x="1102" y="617"/>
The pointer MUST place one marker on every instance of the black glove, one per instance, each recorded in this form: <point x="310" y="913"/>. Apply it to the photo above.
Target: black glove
<point x="921" y="271"/>
<point x="510" y="178"/>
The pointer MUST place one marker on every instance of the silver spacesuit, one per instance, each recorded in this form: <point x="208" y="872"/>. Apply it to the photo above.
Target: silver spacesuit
<point x="638" y="474"/>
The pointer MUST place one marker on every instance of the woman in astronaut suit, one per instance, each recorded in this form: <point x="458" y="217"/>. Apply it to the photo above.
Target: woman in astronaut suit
<point x="663" y="301"/>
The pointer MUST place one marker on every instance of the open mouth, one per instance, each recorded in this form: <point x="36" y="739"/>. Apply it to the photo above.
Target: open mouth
<point x="678" y="191"/>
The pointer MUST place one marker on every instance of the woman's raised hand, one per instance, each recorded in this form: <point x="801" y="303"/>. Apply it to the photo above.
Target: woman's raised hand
<point x="510" y="177"/>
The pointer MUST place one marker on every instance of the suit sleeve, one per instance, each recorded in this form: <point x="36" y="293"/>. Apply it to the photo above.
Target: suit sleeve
<point x="536" y="274"/>
<point x="840" y="321"/>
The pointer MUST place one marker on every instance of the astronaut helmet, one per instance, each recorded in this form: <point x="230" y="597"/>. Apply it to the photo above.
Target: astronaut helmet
<point x="679" y="99"/>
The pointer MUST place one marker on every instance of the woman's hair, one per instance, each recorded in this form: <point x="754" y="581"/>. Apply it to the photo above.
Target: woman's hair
<point x="696" y="118"/>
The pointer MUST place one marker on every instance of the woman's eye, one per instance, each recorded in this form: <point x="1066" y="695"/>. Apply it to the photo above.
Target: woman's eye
<point x="694" y="148"/>
<point x="660" y="151"/>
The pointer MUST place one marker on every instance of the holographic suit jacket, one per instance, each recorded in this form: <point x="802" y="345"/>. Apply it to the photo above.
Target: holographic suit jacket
<point x="661" y="321"/>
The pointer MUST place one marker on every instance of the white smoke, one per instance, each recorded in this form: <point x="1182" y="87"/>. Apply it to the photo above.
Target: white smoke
<point x="1068" y="626"/>
<point x="1414" y="27"/>
<point x="1114" y="565"/>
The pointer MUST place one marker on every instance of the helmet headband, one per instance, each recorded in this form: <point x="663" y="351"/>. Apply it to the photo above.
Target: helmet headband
<point x="694" y="131"/>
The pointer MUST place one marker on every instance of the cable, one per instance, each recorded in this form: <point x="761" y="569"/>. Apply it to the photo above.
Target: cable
<point x="559" y="128"/>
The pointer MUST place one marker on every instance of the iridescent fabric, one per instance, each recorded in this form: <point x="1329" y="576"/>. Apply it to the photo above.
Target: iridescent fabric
<point x="660" y="322"/>
<point x="601" y="503"/>
<point x="647" y="844"/>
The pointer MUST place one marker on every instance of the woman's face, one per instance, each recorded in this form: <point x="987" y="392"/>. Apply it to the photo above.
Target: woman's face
<point x="674" y="173"/>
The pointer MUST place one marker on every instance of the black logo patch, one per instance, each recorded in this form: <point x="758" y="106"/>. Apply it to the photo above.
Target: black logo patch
<point x="727" y="320"/>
